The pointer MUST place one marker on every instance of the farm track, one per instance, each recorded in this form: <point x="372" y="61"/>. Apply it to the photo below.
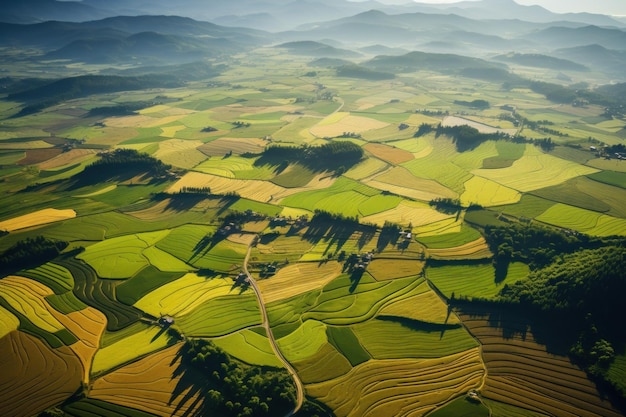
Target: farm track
<point x="270" y="336"/>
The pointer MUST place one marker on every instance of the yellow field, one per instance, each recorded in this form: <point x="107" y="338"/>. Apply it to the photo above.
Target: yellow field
<point x="148" y="385"/>
<point x="8" y="322"/>
<point x="407" y="212"/>
<point x="389" y="153"/>
<point x="331" y="127"/>
<point x="129" y="349"/>
<point x="400" y="387"/>
<point x="37" y="218"/>
<point x="73" y="156"/>
<point x="427" y="306"/>
<point x="488" y="193"/>
<point x="87" y="325"/>
<point x="298" y="278"/>
<point x="535" y="170"/>
<point x="28" y="298"/>
<point x="386" y="269"/>
<point x="185" y="294"/>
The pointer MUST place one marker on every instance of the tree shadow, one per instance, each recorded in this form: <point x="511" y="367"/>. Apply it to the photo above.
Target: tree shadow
<point x="419" y="325"/>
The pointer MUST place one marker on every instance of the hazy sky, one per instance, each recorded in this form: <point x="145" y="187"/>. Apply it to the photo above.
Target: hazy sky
<point x="613" y="7"/>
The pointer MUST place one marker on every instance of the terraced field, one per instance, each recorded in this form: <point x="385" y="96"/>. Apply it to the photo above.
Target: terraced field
<point x="34" y="376"/>
<point x="401" y="386"/>
<point x="521" y="372"/>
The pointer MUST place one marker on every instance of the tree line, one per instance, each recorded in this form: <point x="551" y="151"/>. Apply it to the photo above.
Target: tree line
<point x="30" y="252"/>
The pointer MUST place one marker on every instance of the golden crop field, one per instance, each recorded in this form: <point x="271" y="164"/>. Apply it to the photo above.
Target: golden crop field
<point x="400" y="386"/>
<point x="298" y="278"/>
<point x="37" y="218"/>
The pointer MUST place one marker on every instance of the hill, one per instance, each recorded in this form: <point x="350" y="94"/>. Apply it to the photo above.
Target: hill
<point x="316" y="49"/>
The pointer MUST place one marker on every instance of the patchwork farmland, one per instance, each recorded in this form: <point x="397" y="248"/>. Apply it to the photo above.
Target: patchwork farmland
<point x="267" y="219"/>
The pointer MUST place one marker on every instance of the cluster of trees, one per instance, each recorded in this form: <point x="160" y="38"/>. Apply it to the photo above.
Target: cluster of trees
<point x="333" y="156"/>
<point x="475" y="104"/>
<point x="446" y="205"/>
<point x="125" y="160"/>
<point x="238" y="390"/>
<point x="535" y="245"/>
<point x="30" y="252"/>
<point x="195" y="190"/>
<point x="584" y="289"/>
<point x="466" y="137"/>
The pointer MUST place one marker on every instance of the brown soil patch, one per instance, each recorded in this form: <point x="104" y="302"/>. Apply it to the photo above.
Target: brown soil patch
<point x="389" y="153"/>
<point x="151" y="384"/>
<point x="37" y="156"/>
<point x="476" y="249"/>
<point x="34" y="376"/>
<point x="74" y="156"/>
<point x="87" y="325"/>
<point x="521" y="372"/>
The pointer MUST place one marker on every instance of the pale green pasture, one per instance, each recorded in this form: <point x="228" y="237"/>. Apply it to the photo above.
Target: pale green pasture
<point x="297" y="131"/>
<point x="582" y="220"/>
<point x="182" y="242"/>
<point x="250" y="347"/>
<point x="473" y="159"/>
<point x="392" y="340"/>
<point x="304" y="342"/>
<point x="473" y="281"/>
<point x="438" y="166"/>
<point x="221" y="316"/>
<point x="121" y="257"/>
<point x="165" y="262"/>
<point x="535" y="170"/>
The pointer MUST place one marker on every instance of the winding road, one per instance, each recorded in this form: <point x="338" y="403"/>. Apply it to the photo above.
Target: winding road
<point x="270" y="335"/>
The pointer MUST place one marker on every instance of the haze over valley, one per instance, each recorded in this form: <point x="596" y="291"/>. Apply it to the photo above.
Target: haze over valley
<point x="312" y="208"/>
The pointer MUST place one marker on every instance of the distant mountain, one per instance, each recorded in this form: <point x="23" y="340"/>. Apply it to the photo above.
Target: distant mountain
<point x="541" y="61"/>
<point x="144" y="47"/>
<point x="33" y="11"/>
<point x="507" y="9"/>
<point x="119" y="38"/>
<point x="317" y="49"/>
<point x="562" y="37"/>
<point x="597" y="57"/>
<point x="415" y="61"/>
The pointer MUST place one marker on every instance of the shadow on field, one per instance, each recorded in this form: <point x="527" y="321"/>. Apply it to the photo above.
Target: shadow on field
<point x="191" y="391"/>
<point x="419" y="325"/>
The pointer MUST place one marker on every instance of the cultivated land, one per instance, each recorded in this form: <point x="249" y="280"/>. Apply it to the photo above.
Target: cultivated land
<point x="364" y="269"/>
